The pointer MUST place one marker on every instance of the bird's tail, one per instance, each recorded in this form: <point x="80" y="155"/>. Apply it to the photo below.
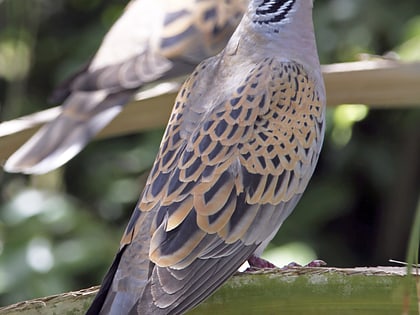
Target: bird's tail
<point x="84" y="115"/>
<point x="128" y="276"/>
<point x="98" y="302"/>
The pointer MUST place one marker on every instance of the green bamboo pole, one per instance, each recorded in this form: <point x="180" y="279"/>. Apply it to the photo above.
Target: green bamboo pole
<point x="294" y="291"/>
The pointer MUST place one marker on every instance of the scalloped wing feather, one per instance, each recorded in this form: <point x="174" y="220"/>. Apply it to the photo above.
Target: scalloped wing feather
<point x="224" y="182"/>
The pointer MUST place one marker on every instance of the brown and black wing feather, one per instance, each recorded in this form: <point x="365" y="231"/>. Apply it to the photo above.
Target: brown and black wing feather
<point x="230" y="169"/>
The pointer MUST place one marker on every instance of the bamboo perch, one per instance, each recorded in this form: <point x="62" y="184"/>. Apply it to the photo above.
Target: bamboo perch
<point x="299" y="290"/>
<point x="377" y="83"/>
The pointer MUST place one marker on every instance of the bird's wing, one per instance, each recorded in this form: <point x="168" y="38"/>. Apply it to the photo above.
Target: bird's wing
<point x="160" y="39"/>
<point x="152" y="40"/>
<point x="221" y="185"/>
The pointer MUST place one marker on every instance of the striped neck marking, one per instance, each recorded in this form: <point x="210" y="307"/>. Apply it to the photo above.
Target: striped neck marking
<point x="274" y="11"/>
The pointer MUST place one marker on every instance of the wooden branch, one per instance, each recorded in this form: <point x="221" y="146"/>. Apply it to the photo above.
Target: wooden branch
<point x="381" y="290"/>
<point x="377" y="83"/>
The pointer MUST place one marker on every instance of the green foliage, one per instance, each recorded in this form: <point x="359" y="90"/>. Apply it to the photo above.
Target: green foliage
<point x="59" y="232"/>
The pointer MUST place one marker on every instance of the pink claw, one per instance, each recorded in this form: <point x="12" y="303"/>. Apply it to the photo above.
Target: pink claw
<point x="313" y="264"/>
<point x="256" y="263"/>
<point x="316" y="263"/>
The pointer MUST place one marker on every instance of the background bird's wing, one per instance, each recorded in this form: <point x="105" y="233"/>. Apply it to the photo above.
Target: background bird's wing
<point x="221" y="185"/>
<point x="152" y="40"/>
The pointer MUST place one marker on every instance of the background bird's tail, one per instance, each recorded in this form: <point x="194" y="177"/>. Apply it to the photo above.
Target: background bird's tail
<point x="84" y="115"/>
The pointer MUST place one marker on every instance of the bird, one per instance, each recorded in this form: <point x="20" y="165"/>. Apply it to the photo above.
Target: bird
<point x="152" y="40"/>
<point x="239" y="149"/>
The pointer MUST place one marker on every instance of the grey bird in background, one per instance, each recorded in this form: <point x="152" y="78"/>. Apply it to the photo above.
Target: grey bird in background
<point x="152" y="40"/>
<point x="240" y="147"/>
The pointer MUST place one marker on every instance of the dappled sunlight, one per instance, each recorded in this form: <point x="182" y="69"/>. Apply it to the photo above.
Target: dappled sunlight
<point x="39" y="256"/>
<point x="15" y="59"/>
<point x="297" y="252"/>
<point x="344" y="117"/>
<point x="26" y="204"/>
<point x="409" y="50"/>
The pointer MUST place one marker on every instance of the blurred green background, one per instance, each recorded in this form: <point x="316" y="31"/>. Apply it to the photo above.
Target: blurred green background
<point x="59" y="232"/>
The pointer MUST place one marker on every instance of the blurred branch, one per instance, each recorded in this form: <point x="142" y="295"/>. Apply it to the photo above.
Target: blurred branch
<point x="378" y="83"/>
<point x="296" y="290"/>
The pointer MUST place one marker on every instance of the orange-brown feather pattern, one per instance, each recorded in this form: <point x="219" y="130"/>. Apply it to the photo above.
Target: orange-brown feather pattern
<point x="241" y="160"/>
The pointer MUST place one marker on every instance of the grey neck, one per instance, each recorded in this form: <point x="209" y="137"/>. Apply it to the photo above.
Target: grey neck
<point x="283" y="27"/>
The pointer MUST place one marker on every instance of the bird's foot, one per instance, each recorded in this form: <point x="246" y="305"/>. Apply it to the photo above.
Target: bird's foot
<point x="257" y="263"/>
<point x="313" y="264"/>
<point x="316" y="263"/>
